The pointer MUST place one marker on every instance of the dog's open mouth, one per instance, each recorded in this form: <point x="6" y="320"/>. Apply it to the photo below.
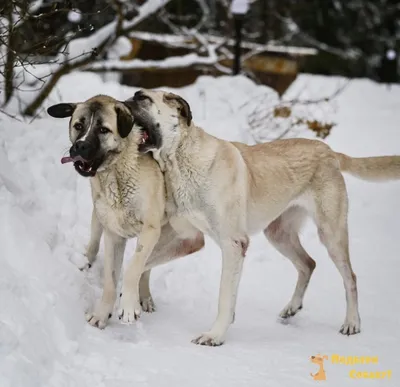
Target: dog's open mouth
<point x="145" y="137"/>
<point x="84" y="167"/>
<point x="145" y="140"/>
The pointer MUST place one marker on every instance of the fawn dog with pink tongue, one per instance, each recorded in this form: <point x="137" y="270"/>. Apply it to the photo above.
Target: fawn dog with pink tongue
<point x="128" y="195"/>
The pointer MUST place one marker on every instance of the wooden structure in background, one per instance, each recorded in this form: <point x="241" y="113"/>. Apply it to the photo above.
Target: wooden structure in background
<point x="274" y="66"/>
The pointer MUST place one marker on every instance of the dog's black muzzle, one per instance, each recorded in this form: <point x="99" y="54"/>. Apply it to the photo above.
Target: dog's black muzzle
<point x="85" y="156"/>
<point x="85" y="149"/>
<point x="143" y="118"/>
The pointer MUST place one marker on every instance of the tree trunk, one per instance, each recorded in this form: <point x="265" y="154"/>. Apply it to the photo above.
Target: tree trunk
<point x="10" y="61"/>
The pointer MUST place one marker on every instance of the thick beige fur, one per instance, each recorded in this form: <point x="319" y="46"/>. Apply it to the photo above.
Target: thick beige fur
<point x="128" y="195"/>
<point x="230" y="190"/>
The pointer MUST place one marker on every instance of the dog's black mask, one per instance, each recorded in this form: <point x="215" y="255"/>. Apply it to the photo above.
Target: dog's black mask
<point x="150" y="129"/>
<point x="85" y="156"/>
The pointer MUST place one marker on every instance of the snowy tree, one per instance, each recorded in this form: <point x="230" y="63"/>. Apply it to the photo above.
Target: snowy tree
<point x="38" y="65"/>
<point x="42" y="40"/>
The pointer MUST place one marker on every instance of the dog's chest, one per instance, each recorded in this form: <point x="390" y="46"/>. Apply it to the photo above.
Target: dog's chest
<point x="117" y="206"/>
<point x="187" y="197"/>
<point x="184" y="192"/>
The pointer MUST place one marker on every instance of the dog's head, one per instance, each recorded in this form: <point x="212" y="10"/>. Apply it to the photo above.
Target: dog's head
<point x="98" y="130"/>
<point x="166" y="117"/>
<point x="318" y="359"/>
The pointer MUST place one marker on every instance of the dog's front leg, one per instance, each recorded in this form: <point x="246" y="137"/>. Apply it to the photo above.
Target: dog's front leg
<point x="233" y="251"/>
<point x="146" y="299"/>
<point x="96" y="230"/>
<point x="130" y="308"/>
<point x="114" y="247"/>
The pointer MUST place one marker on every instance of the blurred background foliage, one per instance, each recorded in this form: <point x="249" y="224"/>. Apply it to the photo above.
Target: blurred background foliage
<point x="352" y="35"/>
<point x="42" y="40"/>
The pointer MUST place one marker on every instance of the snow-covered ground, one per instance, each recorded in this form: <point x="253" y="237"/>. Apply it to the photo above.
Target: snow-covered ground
<point x="44" y="220"/>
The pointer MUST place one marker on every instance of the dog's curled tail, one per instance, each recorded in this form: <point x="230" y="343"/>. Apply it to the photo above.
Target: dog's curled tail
<point x="379" y="168"/>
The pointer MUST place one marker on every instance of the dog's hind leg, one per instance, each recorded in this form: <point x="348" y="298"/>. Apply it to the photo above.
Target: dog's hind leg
<point x="283" y="233"/>
<point x="170" y="246"/>
<point x="175" y="243"/>
<point x="96" y="231"/>
<point x="331" y="218"/>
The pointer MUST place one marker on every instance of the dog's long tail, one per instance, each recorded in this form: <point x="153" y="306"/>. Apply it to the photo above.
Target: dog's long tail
<point x="379" y="168"/>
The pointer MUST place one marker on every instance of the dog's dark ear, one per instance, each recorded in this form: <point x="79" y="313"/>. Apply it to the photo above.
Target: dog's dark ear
<point x="124" y="120"/>
<point x="184" y="108"/>
<point x="61" y="110"/>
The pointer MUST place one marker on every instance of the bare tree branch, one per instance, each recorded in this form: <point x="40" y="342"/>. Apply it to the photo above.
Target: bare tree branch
<point x="149" y="65"/>
<point x="271" y="118"/>
<point x="9" y="64"/>
<point x="100" y="41"/>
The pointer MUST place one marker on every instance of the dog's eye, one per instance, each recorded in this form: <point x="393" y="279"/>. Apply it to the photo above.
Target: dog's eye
<point x="78" y="127"/>
<point x="141" y="97"/>
<point x="104" y="130"/>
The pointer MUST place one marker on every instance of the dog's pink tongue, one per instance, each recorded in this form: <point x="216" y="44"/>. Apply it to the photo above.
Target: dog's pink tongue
<point x="67" y="159"/>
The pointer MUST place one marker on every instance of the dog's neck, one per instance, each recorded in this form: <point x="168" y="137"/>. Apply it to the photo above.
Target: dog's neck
<point x="185" y="147"/>
<point x="110" y="180"/>
<point x="160" y="157"/>
<point x="167" y="154"/>
<point x="185" y="168"/>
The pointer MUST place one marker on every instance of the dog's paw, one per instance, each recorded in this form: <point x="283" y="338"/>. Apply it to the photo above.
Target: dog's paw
<point x="129" y="315"/>
<point x="91" y="254"/>
<point x="85" y="266"/>
<point x="100" y="316"/>
<point x="148" y="305"/>
<point x="129" y="311"/>
<point x="351" y="327"/>
<point x="209" y="339"/>
<point x="80" y="261"/>
<point x="290" y="310"/>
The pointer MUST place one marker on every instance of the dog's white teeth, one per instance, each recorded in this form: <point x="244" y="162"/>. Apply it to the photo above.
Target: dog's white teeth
<point x="143" y="140"/>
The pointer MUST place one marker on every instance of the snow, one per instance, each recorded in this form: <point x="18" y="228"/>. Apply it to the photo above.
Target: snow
<point x="188" y="41"/>
<point x="80" y="46"/>
<point x="121" y="47"/>
<point x="146" y="9"/>
<point x="183" y="61"/>
<point x="35" y="5"/>
<point x="45" y="212"/>
<point x="391" y="54"/>
<point x="74" y="16"/>
<point x="239" y="7"/>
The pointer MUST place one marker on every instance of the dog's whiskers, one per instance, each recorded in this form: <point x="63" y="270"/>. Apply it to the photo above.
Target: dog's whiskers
<point x="65" y="151"/>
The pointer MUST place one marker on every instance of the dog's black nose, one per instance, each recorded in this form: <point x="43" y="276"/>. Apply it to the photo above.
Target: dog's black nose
<point x="85" y="149"/>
